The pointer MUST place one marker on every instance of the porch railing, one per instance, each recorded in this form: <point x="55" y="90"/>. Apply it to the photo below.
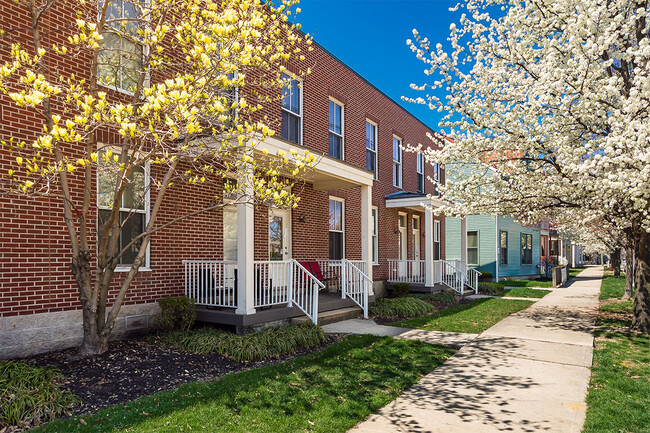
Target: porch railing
<point x="304" y="293"/>
<point x="333" y="270"/>
<point x="472" y="279"/>
<point x="452" y="276"/>
<point x="211" y="283"/>
<point x="356" y="285"/>
<point x="272" y="282"/>
<point x="406" y="271"/>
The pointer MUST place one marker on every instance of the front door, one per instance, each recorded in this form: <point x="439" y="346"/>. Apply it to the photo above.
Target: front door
<point x="279" y="234"/>
<point x="401" y="245"/>
<point x="415" y="234"/>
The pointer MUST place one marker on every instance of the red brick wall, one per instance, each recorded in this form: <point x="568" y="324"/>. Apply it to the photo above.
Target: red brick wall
<point x="34" y="250"/>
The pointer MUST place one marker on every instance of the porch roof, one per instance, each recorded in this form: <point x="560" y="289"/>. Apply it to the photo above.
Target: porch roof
<point x="411" y="200"/>
<point x="328" y="173"/>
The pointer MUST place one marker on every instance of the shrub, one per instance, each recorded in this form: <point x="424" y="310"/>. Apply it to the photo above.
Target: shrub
<point x="256" y="346"/>
<point x="31" y="395"/>
<point x="407" y="306"/>
<point x="176" y="313"/>
<point x="485" y="276"/>
<point x="490" y="288"/>
<point x="401" y="289"/>
<point x="442" y="297"/>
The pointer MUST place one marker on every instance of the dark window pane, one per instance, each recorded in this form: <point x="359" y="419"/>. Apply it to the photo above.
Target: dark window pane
<point x="472" y="256"/>
<point x="420" y="182"/>
<point x="132" y="226"/>
<point x="336" y="146"/>
<point x="336" y="245"/>
<point x="290" y="127"/>
<point x="370" y="160"/>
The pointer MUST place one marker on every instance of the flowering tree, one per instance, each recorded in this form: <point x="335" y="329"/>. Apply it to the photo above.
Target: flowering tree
<point x="169" y="93"/>
<point x="552" y="97"/>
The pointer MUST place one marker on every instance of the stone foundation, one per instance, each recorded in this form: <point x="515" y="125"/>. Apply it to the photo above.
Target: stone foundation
<point x="26" y="335"/>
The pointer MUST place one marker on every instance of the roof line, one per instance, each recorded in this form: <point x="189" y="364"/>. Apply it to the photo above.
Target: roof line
<point x="373" y="86"/>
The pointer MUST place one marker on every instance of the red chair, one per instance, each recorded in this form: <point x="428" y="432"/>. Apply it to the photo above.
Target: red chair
<point x="318" y="273"/>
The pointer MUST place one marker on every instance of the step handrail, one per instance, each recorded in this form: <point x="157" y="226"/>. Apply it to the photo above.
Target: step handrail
<point x="300" y="282"/>
<point x="356" y="279"/>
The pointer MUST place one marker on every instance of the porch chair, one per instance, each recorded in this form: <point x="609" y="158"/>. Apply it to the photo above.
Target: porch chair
<point x="316" y="271"/>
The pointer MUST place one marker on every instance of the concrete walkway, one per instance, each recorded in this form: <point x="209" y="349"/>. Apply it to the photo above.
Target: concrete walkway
<point x="527" y="373"/>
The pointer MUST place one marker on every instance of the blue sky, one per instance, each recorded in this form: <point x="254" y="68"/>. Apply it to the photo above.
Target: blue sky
<point x="369" y="36"/>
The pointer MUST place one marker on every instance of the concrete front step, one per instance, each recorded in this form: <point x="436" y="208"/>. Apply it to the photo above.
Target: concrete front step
<point x="332" y="316"/>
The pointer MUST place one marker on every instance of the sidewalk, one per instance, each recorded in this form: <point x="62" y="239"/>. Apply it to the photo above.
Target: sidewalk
<point x="527" y="373"/>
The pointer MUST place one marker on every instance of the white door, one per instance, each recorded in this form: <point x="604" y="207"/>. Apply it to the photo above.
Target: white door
<point x="279" y="234"/>
<point x="415" y="233"/>
<point x="401" y="244"/>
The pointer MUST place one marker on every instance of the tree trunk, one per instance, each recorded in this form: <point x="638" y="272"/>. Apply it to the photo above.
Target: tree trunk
<point x="641" y="320"/>
<point x="616" y="262"/>
<point x="629" y="271"/>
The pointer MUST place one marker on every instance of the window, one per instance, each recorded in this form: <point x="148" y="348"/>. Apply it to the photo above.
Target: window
<point x="120" y="58"/>
<point x="336" y="228"/>
<point x="291" y="109"/>
<point x="133" y="209"/>
<point x="526" y="249"/>
<point x="336" y="130"/>
<point x="503" y="247"/>
<point x="401" y="236"/>
<point x="436" y="177"/>
<point x="375" y="236"/>
<point x="436" y="239"/>
<point x="420" y="171"/>
<point x="371" y="147"/>
<point x="230" y="233"/>
<point x="472" y="248"/>
<point x="397" y="162"/>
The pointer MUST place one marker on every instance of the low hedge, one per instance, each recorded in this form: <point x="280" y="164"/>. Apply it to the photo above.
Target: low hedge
<point x="406" y="307"/>
<point x="490" y="288"/>
<point x="442" y="297"/>
<point x="256" y="346"/>
<point x="31" y="395"/>
<point x="176" y="313"/>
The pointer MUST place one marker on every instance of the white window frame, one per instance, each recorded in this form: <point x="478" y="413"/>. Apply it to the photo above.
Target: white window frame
<point x="436" y="239"/>
<point x="375" y="234"/>
<point x="521" y="250"/>
<point x="342" y="134"/>
<point x="397" y="163"/>
<point x="146" y="266"/>
<point x="419" y="171"/>
<point x="501" y="256"/>
<point x="436" y="171"/>
<point x="478" y="249"/>
<point x="376" y="128"/>
<point x="145" y="52"/>
<point x="302" y="107"/>
<point x="342" y="201"/>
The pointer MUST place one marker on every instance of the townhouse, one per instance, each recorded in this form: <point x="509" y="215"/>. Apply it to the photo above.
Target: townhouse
<point x="359" y="224"/>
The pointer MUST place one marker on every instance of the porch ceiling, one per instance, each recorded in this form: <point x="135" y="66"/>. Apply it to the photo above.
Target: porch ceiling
<point x="328" y="173"/>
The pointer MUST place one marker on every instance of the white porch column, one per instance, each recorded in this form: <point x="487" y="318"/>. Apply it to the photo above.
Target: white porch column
<point x="366" y="227"/>
<point x="245" y="254"/>
<point x="573" y="254"/>
<point x="463" y="239"/>
<point x="428" y="248"/>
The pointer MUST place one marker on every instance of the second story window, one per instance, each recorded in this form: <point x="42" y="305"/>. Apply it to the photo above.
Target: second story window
<point x="436" y="177"/>
<point x="420" y="172"/>
<point x="397" y="162"/>
<point x="121" y="56"/>
<point x="336" y="130"/>
<point x="291" y="109"/>
<point x="371" y="147"/>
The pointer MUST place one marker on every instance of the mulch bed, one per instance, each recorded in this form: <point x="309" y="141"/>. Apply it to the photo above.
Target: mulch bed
<point x="134" y="368"/>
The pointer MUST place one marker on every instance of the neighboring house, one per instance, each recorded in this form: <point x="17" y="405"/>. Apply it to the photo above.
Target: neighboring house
<point x="499" y="246"/>
<point x="360" y="208"/>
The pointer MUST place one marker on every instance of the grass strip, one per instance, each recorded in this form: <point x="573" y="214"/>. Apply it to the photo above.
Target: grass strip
<point x="524" y="292"/>
<point x="473" y="317"/>
<point x="612" y="287"/>
<point x="619" y="391"/>
<point x="327" y="391"/>
<point x="544" y="283"/>
<point x="573" y="272"/>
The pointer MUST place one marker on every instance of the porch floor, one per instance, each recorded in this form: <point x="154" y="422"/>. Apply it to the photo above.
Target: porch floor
<point x="227" y="316"/>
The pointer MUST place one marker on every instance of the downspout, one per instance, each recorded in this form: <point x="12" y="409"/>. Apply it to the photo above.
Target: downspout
<point x="498" y="245"/>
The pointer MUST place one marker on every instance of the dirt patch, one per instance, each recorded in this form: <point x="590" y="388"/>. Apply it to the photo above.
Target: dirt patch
<point x="134" y="368"/>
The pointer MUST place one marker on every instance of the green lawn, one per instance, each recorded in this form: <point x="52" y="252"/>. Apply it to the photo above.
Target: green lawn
<point x="619" y="392"/>
<point x="612" y="287"/>
<point x="527" y="283"/>
<point x="474" y="317"/>
<point x="573" y="272"/>
<point x="327" y="391"/>
<point x="524" y="292"/>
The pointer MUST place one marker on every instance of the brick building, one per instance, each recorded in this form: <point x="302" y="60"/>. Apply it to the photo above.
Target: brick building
<point x="360" y="218"/>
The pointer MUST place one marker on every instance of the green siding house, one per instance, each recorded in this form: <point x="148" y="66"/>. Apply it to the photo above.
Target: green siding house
<point x="491" y="241"/>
